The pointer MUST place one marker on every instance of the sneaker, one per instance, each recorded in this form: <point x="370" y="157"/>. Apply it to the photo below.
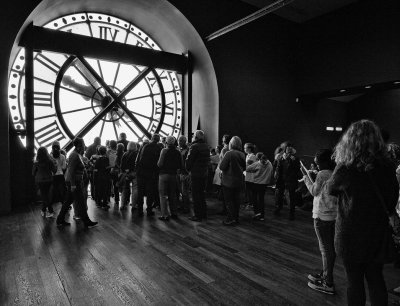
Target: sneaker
<point x="322" y="286"/>
<point x="257" y="216"/>
<point x="91" y="224"/>
<point x="229" y="222"/>
<point x="49" y="215"/>
<point x="316" y="277"/>
<point x="163" y="218"/>
<point x="43" y="213"/>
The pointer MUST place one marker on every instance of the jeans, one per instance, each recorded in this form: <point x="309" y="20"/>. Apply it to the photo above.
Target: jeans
<point x="58" y="188"/>
<point x="80" y="203"/>
<point x="325" y="231"/>
<point x="249" y="193"/>
<point x="232" y="199"/>
<point x="280" y="193"/>
<point x="355" y="273"/>
<point x="126" y="193"/>
<point x="184" y="187"/>
<point x="167" y="190"/>
<point x="134" y="192"/>
<point x="114" y="186"/>
<point x="199" y="196"/>
<point x="147" y="186"/>
<point x="258" y="193"/>
<point x="46" y="191"/>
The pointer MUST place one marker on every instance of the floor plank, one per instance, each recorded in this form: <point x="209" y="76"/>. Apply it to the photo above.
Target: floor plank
<point x="128" y="260"/>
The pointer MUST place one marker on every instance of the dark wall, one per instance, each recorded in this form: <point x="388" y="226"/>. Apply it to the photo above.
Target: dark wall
<point x="381" y="107"/>
<point x="255" y="71"/>
<point x="313" y="119"/>
<point x="357" y="45"/>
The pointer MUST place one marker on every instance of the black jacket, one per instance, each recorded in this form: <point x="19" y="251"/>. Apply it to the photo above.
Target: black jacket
<point x="146" y="162"/>
<point x="198" y="159"/>
<point x="361" y="219"/>
<point x="287" y="172"/>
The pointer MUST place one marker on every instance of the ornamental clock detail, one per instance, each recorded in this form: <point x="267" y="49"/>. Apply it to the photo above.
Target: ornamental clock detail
<point x="70" y="92"/>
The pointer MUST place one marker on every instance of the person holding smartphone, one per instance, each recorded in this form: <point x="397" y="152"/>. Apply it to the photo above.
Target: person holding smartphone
<point x="324" y="214"/>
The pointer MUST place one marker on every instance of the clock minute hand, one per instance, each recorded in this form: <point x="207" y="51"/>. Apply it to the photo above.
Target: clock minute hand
<point x="122" y="94"/>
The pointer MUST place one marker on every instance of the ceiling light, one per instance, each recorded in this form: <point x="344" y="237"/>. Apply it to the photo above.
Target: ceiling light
<point x="330" y="128"/>
<point x="342" y="90"/>
<point x="339" y="129"/>
<point x="368" y="86"/>
<point x="397" y="82"/>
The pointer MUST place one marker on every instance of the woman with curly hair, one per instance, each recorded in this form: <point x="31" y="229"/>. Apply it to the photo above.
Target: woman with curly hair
<point x="363" y="179"/>
<point x="43" y="170"/>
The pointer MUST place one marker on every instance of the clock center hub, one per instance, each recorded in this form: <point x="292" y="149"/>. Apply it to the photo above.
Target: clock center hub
<point x="115" y="113"/>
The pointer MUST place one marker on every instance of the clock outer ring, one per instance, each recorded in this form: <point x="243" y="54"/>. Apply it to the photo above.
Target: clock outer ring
<point x="57" y="106"/>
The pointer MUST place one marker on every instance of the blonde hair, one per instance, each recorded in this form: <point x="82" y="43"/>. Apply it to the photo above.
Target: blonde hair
<point x="361" y="145"/>
<point x="235" y="143"/>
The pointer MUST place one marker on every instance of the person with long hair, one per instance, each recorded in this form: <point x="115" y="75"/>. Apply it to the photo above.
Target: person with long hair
<point x="58" y="178"/>
<point x="128" y="172"/>
<point x="43" y="169"/>
<point x="324" y="214"/>
<point x="364" y="181"/>
<point x="232" y="166"/>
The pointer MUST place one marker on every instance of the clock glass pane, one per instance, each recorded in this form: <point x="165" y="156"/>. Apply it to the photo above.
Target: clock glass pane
<point x="89" y="97"/>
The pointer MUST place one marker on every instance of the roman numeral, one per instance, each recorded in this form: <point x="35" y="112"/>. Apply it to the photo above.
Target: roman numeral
<point x="153" y="80"/>
<point x="47" y="134"/>
<point x="106" y="32"/>
<point x="153" y="128"/>
<point x="47" y="62"/>
<point x="169" y="109"/>
<point x="42" y="98"/>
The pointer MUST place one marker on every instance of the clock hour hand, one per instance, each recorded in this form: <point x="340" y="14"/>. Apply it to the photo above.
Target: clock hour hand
<point x="86" y="90"/>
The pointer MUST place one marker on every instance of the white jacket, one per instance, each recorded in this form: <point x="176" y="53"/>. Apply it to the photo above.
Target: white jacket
<point x="261" y="173"/>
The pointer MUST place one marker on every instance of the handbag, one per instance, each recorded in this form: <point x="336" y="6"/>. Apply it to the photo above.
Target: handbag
<point x="387" y="253"/>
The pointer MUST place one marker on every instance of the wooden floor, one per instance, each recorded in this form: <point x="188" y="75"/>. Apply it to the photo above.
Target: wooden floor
<point x="127" y="260"/>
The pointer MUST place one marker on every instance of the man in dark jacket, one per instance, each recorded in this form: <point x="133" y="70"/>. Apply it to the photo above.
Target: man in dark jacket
<point x="286" y="177"/>
<point x="92" y="150"/>
<point x="147" y="174"/>
<point x="197" y="162"/>
<point x="184" y="177"/>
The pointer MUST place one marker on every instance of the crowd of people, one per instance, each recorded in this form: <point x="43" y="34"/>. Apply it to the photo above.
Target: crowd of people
<point x="354" y="187"/>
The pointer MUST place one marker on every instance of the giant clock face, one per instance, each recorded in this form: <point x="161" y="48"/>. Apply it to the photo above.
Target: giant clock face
<point x="70" y="92"/>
